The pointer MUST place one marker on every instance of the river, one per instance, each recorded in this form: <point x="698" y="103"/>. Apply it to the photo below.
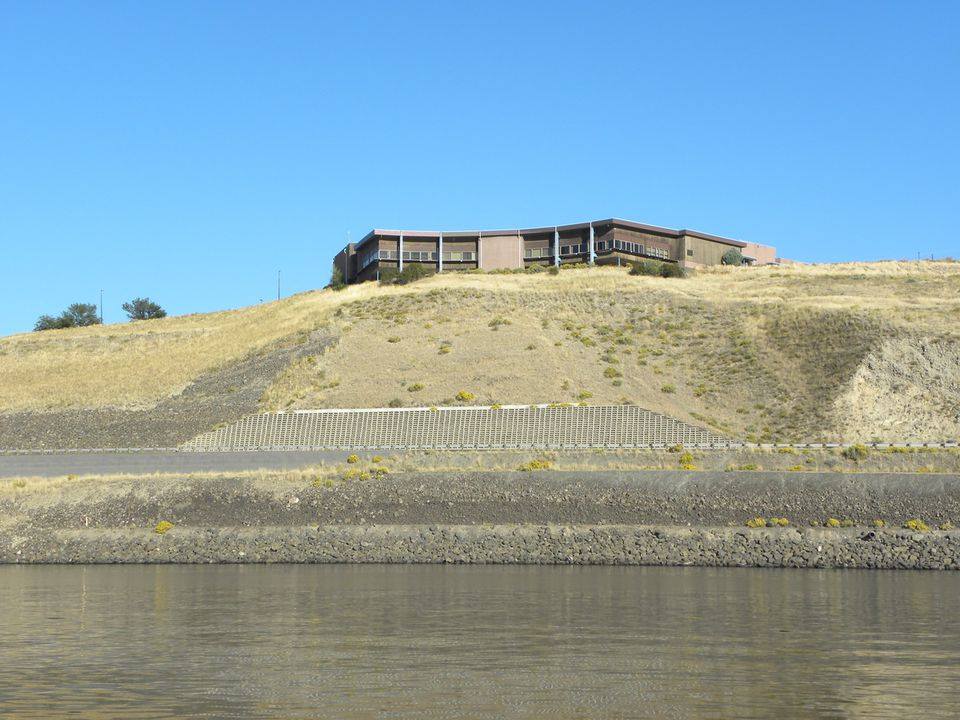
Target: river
<point x="365" y="641"/>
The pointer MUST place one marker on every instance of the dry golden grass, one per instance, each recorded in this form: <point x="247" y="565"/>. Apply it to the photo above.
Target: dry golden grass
<point x="133" y="365"/>
<point x="773" y="353"/>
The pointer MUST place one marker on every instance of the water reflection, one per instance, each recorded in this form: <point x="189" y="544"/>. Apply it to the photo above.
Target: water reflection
<point x="462" y="642"/>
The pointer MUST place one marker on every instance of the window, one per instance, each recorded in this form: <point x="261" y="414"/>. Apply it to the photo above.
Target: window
<point x="689" y="252"/>
<point x="456" y="256"/>
<point x="627" y="246"/>
<point x="419" y="255"/>
<point x="574" y="249"/>
<point x="368" y="257"/>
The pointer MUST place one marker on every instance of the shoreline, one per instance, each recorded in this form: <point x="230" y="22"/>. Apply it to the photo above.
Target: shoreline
<point x="497" y="544"/>
<point x="496" y="517"/>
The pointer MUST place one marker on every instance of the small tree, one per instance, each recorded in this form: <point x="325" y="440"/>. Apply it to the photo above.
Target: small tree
<point x="143" y="309"/>
<point x="76" y="315"/>
<point x="49" y="322"/>
<point x="336" y="279"/>
<point x="732" y="257"/>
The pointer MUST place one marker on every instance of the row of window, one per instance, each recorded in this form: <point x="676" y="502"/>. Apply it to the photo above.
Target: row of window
<point x="546" y="252"/>
<point x="367" y="257"/>
<point x="428" y="255"/>
<point x="528" y="253"/>
<point x="635" y="249"/>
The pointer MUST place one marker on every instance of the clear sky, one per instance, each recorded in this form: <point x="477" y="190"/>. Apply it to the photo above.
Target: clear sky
<point x="188" y="150"/>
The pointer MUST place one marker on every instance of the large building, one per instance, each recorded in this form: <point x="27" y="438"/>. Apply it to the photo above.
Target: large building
<point x="603" y="242"/>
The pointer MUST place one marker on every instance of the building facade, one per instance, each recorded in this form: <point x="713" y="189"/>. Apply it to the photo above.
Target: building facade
<point x="601" y="242"/>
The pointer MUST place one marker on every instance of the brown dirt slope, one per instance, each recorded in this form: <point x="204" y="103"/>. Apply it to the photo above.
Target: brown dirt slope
<point x="796" y="353"/>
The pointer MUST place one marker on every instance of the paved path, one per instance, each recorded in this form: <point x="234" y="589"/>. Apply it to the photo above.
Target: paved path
<point x="167" y="461"/>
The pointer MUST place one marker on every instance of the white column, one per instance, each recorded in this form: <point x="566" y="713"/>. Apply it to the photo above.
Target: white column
<point x="400" y="254"/>
<point x="556" y="247"/>
<point x="440" y="253"/>
<point x="593" y="252"/>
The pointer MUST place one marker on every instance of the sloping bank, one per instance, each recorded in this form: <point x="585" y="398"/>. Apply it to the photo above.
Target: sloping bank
<point x="643" y="518"/>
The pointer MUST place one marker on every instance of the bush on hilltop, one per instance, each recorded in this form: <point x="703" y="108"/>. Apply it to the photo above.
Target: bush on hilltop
<point x="77" y="315"/>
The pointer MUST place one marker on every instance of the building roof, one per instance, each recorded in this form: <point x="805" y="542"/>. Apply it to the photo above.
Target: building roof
<point x="616" y="222"/>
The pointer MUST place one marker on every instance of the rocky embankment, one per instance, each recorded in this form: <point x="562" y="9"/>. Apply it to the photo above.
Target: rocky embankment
<point x="642" y="518"/>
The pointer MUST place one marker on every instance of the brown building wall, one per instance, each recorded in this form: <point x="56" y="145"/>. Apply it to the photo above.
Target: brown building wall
<point x="705" y="252"/>
<point x="500" y="252"/>
<point x="764" y="254"/>
<point x="459" y="245"/>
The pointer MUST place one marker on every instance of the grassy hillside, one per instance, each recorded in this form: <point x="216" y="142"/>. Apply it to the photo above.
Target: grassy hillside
<point x="854" y="352"/>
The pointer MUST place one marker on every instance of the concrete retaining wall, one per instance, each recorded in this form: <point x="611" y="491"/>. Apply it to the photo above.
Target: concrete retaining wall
<point x="456" y="428"/>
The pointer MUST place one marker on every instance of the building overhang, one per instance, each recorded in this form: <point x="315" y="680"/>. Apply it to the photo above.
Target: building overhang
<point x="612" y="222"/>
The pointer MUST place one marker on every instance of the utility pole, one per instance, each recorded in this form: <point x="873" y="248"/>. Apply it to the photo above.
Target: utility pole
<point x="278" y="284"/>
<point x="101" y="307"/>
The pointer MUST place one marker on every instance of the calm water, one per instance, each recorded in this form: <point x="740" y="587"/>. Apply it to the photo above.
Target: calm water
<point x="461" y="642"/>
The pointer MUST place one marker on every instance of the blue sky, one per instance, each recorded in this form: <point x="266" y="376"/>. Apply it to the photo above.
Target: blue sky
<point x="187" y="151"/>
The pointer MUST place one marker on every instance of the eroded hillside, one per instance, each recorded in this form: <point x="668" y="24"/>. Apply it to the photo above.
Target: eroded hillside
<point x="852" y="352"/>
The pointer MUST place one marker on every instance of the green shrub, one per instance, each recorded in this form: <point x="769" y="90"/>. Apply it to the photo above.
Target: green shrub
<point x="732" y="257"/>
<point x="77" y="315"/>
<point x="878" y="523"/>
<point x="832" y="523"/>
<point x="353" y="459"/>
<point x="856" y="453"/>
<point x="916" y="525"/>
<point x="410" y="273"/>
<point x="672" y="270"/>
<point x="757" y="522"/>
<point x="538" y="464"/>
<point x="143" y="309"/>
<point x="336" y="279"/>
<point x="945" y="526"/>
<point x="393" y="339"/>
<point x="612" y="373"/>
<point x="416" y="387"/>
<point x="465" y="396"/>
<point x="395" y="403"/>
<point x="553" y="270"/>
<point x="162" y="527"/>
<point x="657" y="268"/>
<point x="668" y="388"/>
